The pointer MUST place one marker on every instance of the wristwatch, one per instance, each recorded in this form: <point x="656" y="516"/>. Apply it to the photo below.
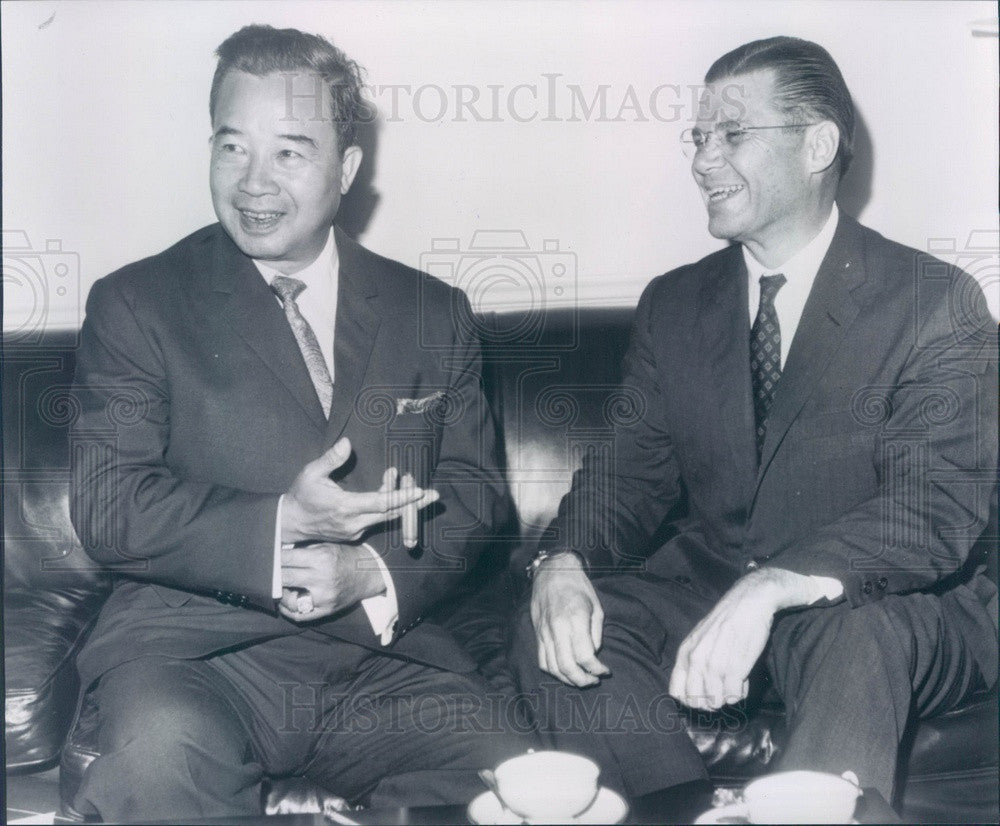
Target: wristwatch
<point x="541" y="556"/>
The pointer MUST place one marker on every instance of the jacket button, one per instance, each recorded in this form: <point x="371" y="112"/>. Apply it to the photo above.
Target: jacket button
<point x="867" y="587"/>
<point x="882" y="583"/>
<point x="752" y="565"/>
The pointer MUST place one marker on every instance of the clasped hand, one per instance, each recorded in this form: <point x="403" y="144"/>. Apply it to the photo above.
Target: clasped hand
<point x="333" y="576"/>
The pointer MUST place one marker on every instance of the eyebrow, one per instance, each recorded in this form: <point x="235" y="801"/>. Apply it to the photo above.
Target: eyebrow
<point x="302" y="140"/>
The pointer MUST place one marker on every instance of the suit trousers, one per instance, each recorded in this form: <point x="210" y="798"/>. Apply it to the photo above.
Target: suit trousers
<point x="850" y="678"/>
<point x="194" y="738"/>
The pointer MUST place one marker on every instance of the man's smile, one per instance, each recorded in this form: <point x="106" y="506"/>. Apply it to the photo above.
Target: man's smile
<point x="722" y="193"/>
<point x="259" y="221"/>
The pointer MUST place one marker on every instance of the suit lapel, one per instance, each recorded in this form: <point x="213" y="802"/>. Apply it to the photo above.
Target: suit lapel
<point x="723" y="309"/>
<point x="828" y="313"/>
<point x="357" y="326"/>
<point x="249" y="307"/>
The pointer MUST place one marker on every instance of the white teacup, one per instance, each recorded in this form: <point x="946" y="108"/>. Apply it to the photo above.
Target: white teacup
<point x="547" y="786"/>
<point x="797" y="797"/>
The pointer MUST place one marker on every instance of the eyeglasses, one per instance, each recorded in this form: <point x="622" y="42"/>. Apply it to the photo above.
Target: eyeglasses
<point x="729" y="136"/>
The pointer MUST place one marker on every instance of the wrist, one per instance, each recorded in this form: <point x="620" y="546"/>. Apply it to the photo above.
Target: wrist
<point x="553" y="560"/>
<point x="784" y="589"/>
<point x="372" y="582"/>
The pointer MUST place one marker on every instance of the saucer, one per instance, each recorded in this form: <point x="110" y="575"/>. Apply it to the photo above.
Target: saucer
<point x="608" y="807"/>
<point x="727" y="814"/>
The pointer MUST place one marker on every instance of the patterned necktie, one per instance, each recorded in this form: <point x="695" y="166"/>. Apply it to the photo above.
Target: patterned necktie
<point x="287" y="289"/>
<point x="765" y="354"/>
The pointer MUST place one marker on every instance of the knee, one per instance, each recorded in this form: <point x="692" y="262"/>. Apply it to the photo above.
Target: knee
<point x="161" y="716"/>
<point x="844" y="637"/>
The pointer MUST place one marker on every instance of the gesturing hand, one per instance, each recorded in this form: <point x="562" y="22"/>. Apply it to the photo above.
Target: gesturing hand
<point x="333" y="577"/>
<point x="316" y="508"/>
<point x="568" y="620"/>
<point x="714" y="661"/>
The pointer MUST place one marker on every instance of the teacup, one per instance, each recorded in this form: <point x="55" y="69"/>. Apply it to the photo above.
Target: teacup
<point x="797" y="797"/>
<point x="547" y="786"/>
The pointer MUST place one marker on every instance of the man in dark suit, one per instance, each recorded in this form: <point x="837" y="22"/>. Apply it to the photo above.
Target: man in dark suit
<point x="277" y="403"/>
<point x="824" y="401"/>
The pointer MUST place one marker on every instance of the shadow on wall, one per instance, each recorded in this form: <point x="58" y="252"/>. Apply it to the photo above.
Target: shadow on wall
<point x="358" y="206"/>
<point x="856" y="187"/>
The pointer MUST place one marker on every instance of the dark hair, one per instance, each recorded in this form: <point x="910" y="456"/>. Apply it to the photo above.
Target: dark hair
<point x="263" y="50"/>
<point x="808" y="82"/>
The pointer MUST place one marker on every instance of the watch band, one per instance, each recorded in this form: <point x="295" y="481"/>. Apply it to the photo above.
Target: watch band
<point x="543" y="555"/>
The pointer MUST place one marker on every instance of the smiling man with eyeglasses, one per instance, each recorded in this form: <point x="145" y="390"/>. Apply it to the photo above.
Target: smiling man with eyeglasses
<point x="821" y="404"/>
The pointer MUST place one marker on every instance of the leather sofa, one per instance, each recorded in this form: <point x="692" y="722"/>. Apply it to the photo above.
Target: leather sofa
<point x="552" y="378"/>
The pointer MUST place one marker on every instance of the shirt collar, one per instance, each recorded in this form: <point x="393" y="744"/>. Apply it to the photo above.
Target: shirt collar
<point x="804" y="265"/>
<point x="319" y="271"/>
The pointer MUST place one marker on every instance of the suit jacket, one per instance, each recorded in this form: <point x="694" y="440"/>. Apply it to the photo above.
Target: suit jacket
<point x="196" y="412"/>
<point x="880" y="458"/>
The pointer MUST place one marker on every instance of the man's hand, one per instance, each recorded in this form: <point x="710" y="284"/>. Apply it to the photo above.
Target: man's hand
<point x="317" y="509"/>
<point x="568" y="621"/>
<point x="714" y="661"/>
<point x="328" y="577"/>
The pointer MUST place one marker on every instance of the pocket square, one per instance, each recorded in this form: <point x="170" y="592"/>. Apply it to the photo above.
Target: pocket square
<point x="419" y="405"/>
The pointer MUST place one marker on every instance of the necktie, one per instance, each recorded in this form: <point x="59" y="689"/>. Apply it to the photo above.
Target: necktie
<point x="287" y="289"/>
<point x="765" y="354"/>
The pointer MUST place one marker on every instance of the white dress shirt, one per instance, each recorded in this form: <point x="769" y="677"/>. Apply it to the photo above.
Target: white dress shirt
<point x="318" y="305"/>
<point x="800" y="272"/>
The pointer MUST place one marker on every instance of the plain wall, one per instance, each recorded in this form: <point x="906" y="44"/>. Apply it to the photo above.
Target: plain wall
<point x="105" y="133"/>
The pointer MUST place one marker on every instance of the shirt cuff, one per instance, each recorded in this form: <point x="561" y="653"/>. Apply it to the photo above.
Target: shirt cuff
<point x="382" y="609"/>
<point x="276" y="570"/>
<point x="826" y="587"/>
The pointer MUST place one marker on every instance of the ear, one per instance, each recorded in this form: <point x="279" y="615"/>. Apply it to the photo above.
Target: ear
<point x="822" y="142"/>
<point x="349" y="165"/>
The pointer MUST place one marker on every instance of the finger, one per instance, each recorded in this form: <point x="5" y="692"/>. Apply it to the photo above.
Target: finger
<point x="694" y="689"/>
<point x="597" y="627"/>
<point x="429" y="498"/>
<point x="377" y="503"/>
<point x="543" y="660"/>
<point x="299" y="578"/>
<point x="734" y="684"/>
<point x="586" y="657"/>
<point x="552" y="661"/>
<point x="566" y="656"/>
<point x="333" y="458"/>
<point x="678" y="676"/>
<point x="294" y="616"/>
<point x="389" y="479"/>
<point x="289" y="598"/>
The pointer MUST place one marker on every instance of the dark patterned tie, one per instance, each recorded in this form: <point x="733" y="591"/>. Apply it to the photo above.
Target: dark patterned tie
<point x="765" y="354"/>
<point x="287" y="289"/>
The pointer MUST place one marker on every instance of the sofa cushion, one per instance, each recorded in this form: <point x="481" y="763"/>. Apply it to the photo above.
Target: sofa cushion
<point x="42" y="632"/>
